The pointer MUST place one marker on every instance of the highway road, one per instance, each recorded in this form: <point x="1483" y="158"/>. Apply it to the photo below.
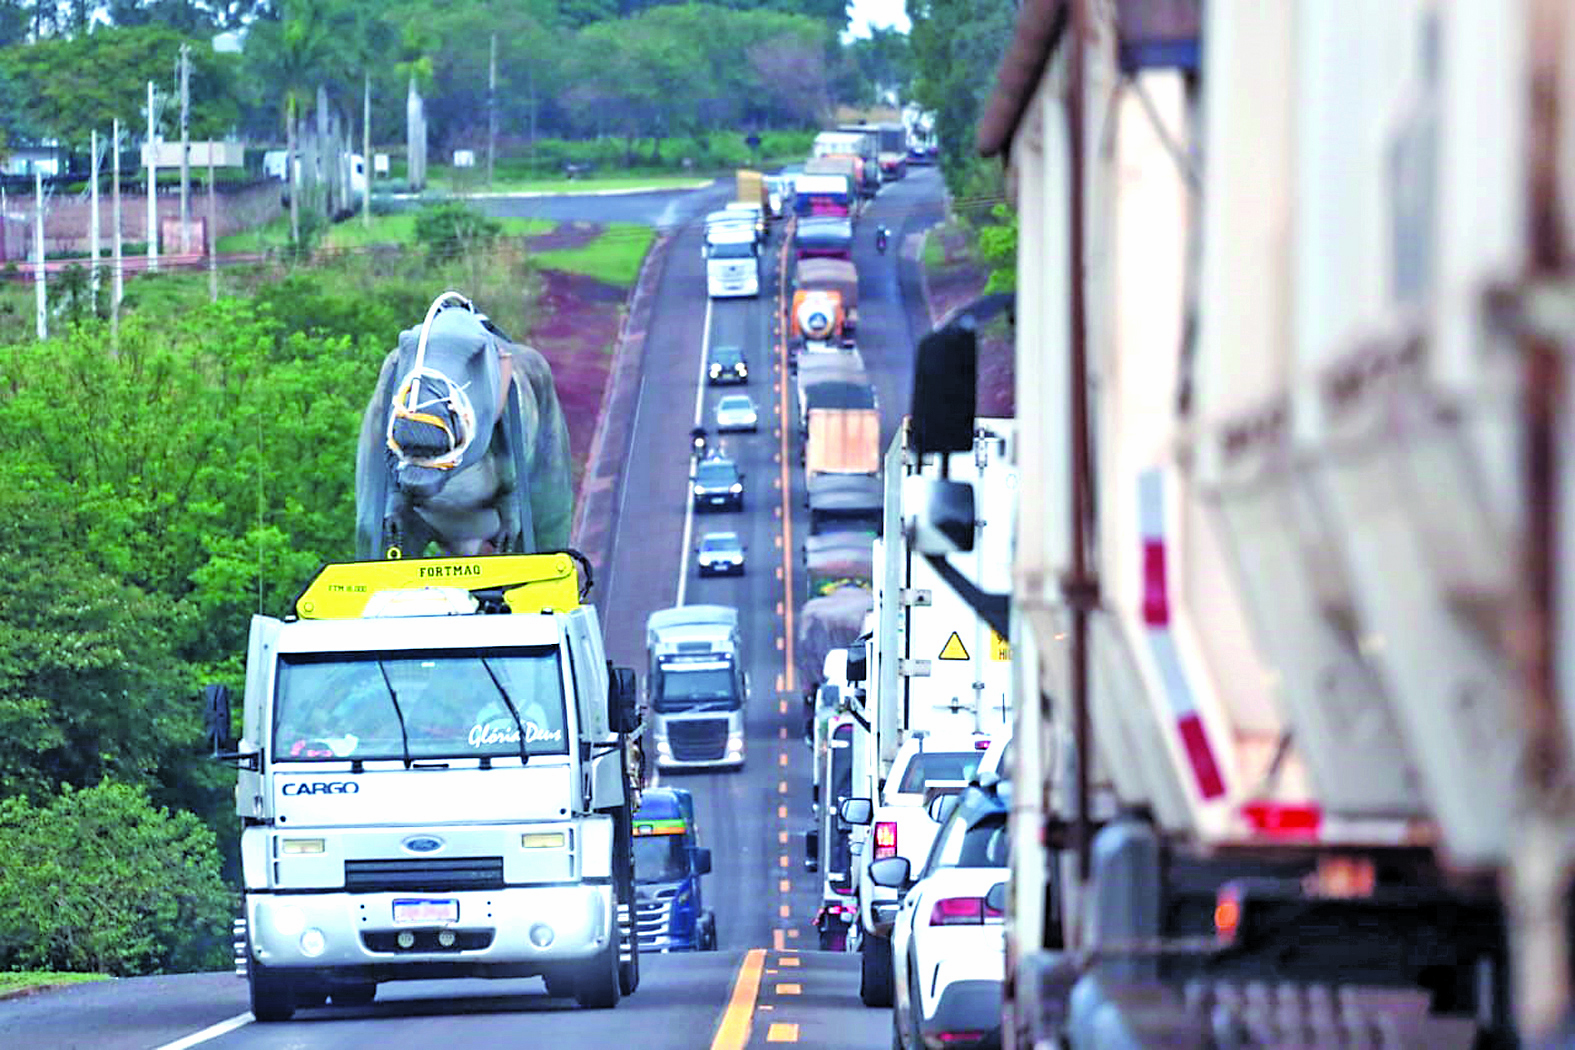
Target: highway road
<point x="764" y="986"/>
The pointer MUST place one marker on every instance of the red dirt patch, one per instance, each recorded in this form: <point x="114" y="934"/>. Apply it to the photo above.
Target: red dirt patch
<point x="565" y="235"/>
<point x="956" y="282"/>
<point x="576" y="330"/>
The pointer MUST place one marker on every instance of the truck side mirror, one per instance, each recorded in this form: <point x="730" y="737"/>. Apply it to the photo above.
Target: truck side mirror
<point x="702" y="861"/>
<point x="623" y="700"/>
<point x="890" y="872"/>
<point x="858" y="665"/>
<point x="812" y="850"/>
<point x="944" y="516"/>
<point x="216" y="717"/>
<point x="856" y="812"/>
<point x="945" y="378"/>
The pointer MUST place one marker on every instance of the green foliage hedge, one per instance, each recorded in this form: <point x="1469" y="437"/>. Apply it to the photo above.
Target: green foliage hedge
<point x="101" y="880"/>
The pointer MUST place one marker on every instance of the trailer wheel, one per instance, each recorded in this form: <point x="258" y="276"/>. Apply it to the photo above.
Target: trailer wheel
<point x="273" y="997"/>
<point x="875" y="976"/>
<point x="707" y="932"/>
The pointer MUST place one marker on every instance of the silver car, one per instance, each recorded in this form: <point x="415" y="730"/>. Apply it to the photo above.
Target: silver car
<point x="720" y="553"/>
<point x="736" y="412"/>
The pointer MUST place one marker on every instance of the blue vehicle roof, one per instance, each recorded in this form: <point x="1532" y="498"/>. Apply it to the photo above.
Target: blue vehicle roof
<point x="665" y="803"/>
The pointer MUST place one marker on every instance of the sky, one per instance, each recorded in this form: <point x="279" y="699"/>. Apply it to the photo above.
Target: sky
<point x="882" y="14"/>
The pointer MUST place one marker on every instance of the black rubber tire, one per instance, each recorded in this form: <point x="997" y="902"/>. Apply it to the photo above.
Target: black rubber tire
<point x="309" y="996"/>
<point x="353" y="994"/>
<point x="272" y="994"/>
<point x="875" y="975"/>
<point x="623" y="844"/>
<point x="597" y="985"/>
<point x="559" y="985"/>
<point x="708" y="932"/>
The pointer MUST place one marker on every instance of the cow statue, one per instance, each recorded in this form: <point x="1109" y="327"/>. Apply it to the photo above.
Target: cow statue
<point x="463" y="443"/>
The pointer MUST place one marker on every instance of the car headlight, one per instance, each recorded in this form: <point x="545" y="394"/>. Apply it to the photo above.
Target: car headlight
<point x="716" y="369"/>
<point x="743" y="369"/>
<point x="736" y="489"/>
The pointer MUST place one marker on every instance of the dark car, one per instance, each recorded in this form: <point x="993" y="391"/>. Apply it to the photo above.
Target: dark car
<point x="728" y="365"/>
<point x="718" y="485"/>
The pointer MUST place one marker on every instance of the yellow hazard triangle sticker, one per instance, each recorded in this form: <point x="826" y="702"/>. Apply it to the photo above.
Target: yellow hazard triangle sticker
<point x="954" y="648"/>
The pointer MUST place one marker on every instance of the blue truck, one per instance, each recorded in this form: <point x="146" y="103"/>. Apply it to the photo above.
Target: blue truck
<point x="668" y="865"/>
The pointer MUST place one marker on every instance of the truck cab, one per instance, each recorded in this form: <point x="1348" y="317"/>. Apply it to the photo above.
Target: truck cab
<point x="697" y="686"/>
<point x="668" y="865"/>
<point x="435" y="780"/>
<point x="732" y="259"/>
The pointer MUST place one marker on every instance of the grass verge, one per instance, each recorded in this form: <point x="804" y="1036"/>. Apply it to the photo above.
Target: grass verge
<point x="613" y="257"/>
<point x="24" y="980"/>
<point x="615" y="182"/>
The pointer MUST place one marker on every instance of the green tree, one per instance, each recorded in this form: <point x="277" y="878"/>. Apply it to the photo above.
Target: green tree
<point x="101" y="880"/>
<point x="957" y="45"/>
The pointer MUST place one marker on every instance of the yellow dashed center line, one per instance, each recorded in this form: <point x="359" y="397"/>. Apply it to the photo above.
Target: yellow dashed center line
<point x="782" y="862"/>
<point x="788" y="960"/>
<point x="785" y="886"/>
<point x="776" y="942"/>
<point x="793" y="933"/>
<point x="790" y="989"/>
<point x="785" y="911"/>
<point x="782" y="814"/>
<point x="782" y="787"/>
<point x="782" y="1032"/>
<point x="782" y="837"/>
<point x="782" y="761"/>
<point x="733" y="1032"/>
<point x="783" y="707"/>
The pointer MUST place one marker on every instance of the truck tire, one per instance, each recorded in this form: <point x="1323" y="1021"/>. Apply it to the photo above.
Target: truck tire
<point x="273" y="997"/>
<point x="559" y="985"/>
<point x="707" y="936"/>
<point x="353" y="994"/>
<point x="875" y="977"/>
<point x="597" y="985"/>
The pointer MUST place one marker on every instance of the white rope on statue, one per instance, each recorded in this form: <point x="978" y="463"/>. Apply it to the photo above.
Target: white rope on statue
<point x="455" y="396"/>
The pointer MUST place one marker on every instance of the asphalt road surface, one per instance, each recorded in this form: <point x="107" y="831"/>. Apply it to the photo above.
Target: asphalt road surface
<point x="765" y="986"/>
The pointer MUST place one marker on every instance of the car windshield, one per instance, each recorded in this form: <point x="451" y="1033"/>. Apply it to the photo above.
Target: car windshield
<point x="660" y="858"/>
<point x="336" y="708"/>
<point x="735" y="404"/>
<point x="720" y="541"/>
<point x="726" y="355"/>
<point x="715" y="474"/>
<point x="931" y="766"/>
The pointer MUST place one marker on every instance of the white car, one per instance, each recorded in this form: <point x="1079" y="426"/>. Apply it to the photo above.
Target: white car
<point x="736" y="412"/>
<point x="720" y="553"/>
<point x="949" y="938"/>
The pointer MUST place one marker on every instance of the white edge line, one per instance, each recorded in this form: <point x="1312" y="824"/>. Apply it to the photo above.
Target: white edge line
<point x="211" y="1032"/>
<point x="689" y="496"/>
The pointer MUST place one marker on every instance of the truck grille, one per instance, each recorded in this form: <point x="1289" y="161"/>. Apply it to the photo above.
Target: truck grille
<point x="450" y="873"/>
<point x="698" y="739"/>
<point x="653" y="916"/>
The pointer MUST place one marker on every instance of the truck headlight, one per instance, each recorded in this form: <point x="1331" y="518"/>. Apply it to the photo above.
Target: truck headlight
<point x="662" y="748"/>
<point x="313" y="943"/>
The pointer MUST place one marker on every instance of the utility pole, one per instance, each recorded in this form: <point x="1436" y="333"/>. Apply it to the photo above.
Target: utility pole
<point x="366" y="148"/>
<point x="38" y="254"/>
<point x="93" y="231"/>
<point x="185" y="147"/>
<point x="213" y="232"/>
<point x="492" y="110"/>
<point x="118" y="285"/>
<point x="153" y="185"/>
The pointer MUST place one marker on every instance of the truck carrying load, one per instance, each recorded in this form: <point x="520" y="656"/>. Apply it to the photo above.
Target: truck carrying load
<point x="752" y="189"/>
<point x="823" y="237"/>
<point x="1308" y="643"/>
<point x="837" y="559"/>
<point x="669" y="864"/>
<point x="818" y="318"/>
<point x="697" y="686"/>
<point x="833" y="394"/>
<point x="843" y="503"/>
<point x="841" y="441"/>
<point x="835" y="275"/>
<point x="427" y="792"/>
<point x="829" y="622"/>
<point x="832" y="195"/>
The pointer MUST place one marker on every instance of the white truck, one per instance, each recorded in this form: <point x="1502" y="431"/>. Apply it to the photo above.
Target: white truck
<point x="697" y="687"/>
<point x="936" y="677"/>
<point x="435" y="781"/>
<point x="1295" y="722"/>
<point x="732" y="261"/>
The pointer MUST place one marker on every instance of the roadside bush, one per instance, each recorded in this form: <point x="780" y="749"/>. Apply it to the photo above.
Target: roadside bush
<point x="450" y="229"/>
<point x="101" y="881"/>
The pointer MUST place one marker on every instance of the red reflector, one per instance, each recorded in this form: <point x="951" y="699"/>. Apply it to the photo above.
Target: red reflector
<point x="1156" y="601"/>
<point x="1227" y="915"/>
<point x="958" y="911"/>
<point x="1196" y="743"/>
<point x="981" y="745"/>
<point x="1291" y="820"/>
<point x="959" y="1038"/>
<point x="885" y="839"/>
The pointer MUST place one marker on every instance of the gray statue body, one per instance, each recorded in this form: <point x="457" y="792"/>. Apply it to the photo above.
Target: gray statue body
<point x="477" y="456"/>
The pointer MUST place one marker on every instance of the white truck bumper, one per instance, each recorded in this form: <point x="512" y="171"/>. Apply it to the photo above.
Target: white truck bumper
<point x="522" y="924"/>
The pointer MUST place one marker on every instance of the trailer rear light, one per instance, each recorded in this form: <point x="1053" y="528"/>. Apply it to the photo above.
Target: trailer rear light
<point x="1283" y="819"/>
<point x="1227" y="915"/>
<point x="959" y="1038"/>
<point x="1156" y="601"/>
<point x="885" y="839"/>
<point x="958" y="911"/>
<point x="982" y="744"/>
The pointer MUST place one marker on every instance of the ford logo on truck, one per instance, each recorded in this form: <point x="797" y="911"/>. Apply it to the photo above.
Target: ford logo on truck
<point x="321" y="787"/>
<point x="423" y="843"/>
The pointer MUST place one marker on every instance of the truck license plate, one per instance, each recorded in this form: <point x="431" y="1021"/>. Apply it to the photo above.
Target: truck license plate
<point x="419" y="911"/>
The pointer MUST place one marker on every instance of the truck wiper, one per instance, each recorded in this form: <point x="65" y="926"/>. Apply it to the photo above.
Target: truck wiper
<point x="404" y="737"/>
<point x="508" y="702"/>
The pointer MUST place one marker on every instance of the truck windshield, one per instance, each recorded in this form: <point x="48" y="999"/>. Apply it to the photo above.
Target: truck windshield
<point x="733" y="250"/>
<point x="681" y="688"/>
<point x="660" y="858"/>
<point x="930" y="766"/>
<point x="338" y="707"/>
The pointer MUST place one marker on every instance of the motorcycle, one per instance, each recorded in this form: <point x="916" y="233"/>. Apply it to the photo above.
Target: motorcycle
<point x="880" y="239"/>
<point x="697" y="443"/>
